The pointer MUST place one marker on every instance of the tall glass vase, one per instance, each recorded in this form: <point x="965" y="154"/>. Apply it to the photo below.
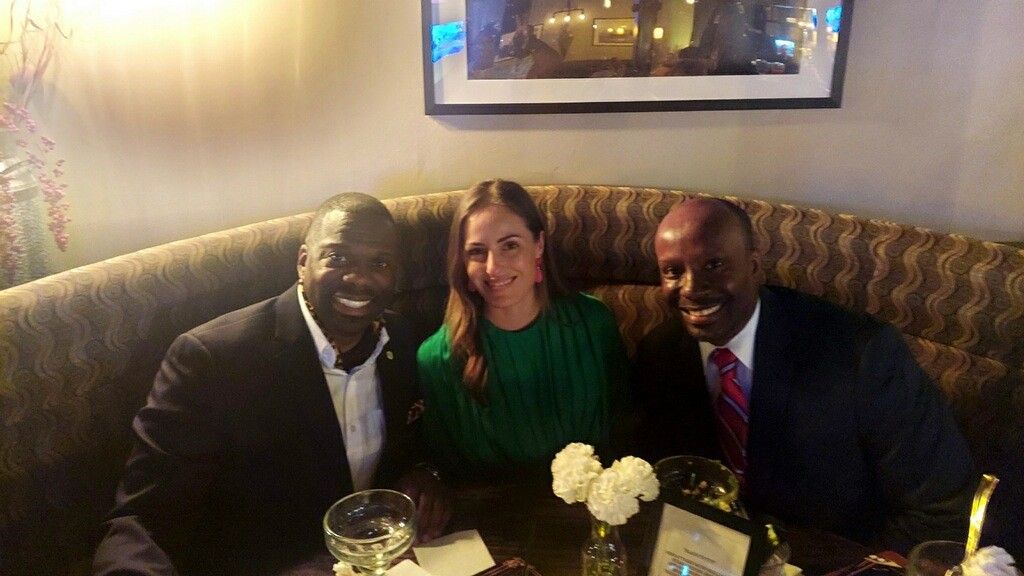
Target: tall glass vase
<point x="603" y="553"/>
<point x="23" y="210"/>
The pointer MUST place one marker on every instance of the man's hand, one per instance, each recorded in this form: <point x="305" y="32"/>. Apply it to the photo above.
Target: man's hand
<point x="433" y="502"/>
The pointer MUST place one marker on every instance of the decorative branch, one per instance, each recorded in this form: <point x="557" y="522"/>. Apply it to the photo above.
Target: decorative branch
<point x="25" y="156"/>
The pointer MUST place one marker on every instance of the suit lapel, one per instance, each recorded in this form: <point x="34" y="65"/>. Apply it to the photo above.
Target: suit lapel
<point x="298" y="366"/>
<point x="773" y="378"/>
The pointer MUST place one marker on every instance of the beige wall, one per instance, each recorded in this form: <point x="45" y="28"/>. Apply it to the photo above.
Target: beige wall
<point x="176" y="126"/>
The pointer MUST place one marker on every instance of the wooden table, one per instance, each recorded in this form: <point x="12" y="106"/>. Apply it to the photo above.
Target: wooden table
<point x="533" y="524"/>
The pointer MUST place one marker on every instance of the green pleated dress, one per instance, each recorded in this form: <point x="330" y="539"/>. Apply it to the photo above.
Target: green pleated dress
<point x="551" y="383"/>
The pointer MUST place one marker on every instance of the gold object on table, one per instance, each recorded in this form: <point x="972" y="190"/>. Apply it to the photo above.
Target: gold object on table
<point x="981" y="498"/>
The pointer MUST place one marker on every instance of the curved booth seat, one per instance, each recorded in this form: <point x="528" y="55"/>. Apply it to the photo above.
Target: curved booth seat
<point x="78" y="350"/>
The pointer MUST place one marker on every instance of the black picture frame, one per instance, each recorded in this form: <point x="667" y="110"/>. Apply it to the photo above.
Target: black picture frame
<point x="758" y="550"/>
<point x="449" y="88"/>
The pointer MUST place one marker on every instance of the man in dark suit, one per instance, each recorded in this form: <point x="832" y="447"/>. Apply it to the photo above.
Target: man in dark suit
<point x="262" y="418"/>
<point x="822" y="413"/>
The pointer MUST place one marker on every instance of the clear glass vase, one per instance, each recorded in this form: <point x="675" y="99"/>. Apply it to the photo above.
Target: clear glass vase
<point x="603" y="553"/>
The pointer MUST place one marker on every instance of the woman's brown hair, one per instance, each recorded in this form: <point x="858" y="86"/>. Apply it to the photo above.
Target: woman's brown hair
<point x="465" y="308"/>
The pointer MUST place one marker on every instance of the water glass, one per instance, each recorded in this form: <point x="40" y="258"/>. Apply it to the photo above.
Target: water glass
<point x="934" y="557"/>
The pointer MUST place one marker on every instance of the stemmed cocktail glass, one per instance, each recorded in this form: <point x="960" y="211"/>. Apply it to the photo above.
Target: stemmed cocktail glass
<point x="371" y="528"/>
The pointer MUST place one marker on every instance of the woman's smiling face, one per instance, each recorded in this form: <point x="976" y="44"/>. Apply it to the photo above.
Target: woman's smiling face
<point x="501" y="255"/>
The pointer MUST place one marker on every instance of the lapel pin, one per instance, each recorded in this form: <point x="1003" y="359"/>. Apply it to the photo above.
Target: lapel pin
<point x="389" y="355"/>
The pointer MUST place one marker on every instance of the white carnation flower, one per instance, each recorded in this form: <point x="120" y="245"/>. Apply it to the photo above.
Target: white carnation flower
<point x="573" y="470"/>
<point x="989" y="561"/>
<point x="611" y="495"/>
<point x="611" y="500"/>
<point x="636" y="474"/>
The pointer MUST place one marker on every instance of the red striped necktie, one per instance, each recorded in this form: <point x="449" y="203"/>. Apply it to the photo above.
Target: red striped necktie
<point x="732" y="411"/>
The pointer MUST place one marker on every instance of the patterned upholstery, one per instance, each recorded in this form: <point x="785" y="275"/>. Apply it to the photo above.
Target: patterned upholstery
<point x="78" y="350"/>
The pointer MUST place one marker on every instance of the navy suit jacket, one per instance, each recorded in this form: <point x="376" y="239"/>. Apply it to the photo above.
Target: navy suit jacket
<point x="238" y="452"/>
<point x="846" y="434"/>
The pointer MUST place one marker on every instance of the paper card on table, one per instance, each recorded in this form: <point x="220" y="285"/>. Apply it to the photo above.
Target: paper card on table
<point x="698" y="542"/>
<point x="457" y="554"/>
<point x="792" y="570"/>
<point x="407" y="568"/>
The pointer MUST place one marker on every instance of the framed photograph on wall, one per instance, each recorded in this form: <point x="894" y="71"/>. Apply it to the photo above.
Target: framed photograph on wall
<point x="614" y="31"/>
<point x="558" y="56"/>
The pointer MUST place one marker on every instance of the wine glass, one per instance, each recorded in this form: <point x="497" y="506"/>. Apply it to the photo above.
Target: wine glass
<point x="934" y="557"/>
<point x="369" y="529"/>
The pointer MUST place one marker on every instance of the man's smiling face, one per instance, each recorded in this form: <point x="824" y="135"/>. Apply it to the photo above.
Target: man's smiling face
<point x="348" y="270"/>
<point x="709" y="271"/>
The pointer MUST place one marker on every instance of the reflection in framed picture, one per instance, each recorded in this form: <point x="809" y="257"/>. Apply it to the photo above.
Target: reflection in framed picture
<point x="552" y="56"/>
<point x="614" y="31"/>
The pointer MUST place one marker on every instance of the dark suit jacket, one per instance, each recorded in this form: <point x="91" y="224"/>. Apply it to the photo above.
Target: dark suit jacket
<point x="846" y="432"/>
<point x="238" y="452"/>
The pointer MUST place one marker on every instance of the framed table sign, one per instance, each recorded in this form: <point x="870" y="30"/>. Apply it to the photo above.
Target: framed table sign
<point x="553" y="56"/>
<point x="694" y="539"/>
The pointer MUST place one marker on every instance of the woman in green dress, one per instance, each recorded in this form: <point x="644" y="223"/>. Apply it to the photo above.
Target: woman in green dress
<point x="521" y="366"/>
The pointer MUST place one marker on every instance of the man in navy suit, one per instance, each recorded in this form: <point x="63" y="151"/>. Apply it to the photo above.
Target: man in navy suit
<point x="822" y="413"/>
<point x="262" y="418"/>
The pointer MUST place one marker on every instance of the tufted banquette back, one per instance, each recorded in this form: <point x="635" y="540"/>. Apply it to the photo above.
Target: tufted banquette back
<point x="78" y="350"/>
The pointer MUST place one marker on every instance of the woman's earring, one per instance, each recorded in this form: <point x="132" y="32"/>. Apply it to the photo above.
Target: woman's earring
<point x="538" y="277"/>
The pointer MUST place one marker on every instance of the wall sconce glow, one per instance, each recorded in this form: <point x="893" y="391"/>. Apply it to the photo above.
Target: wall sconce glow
<point x="620" y="30"/>
<point x="659" y="33"/>
<point x="122" y="9"/>
<point x="607" y="3"/>
<point x="121" y="13"/>
<point x="566" y="14"/>
<point x="690" y="2"/>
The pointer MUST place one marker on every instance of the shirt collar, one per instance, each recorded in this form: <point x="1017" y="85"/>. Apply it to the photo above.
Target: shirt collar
<point x="328" y="356"/>
<point x="742" y="344"/>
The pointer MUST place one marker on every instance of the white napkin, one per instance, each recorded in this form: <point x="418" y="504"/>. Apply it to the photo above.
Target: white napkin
<point x="407" y="568"/>
<point x="457" y="554"/>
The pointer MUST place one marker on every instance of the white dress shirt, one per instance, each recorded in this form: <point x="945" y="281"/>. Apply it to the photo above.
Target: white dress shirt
<point x="742" y="346"/>
<point x="356" y="398"/>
